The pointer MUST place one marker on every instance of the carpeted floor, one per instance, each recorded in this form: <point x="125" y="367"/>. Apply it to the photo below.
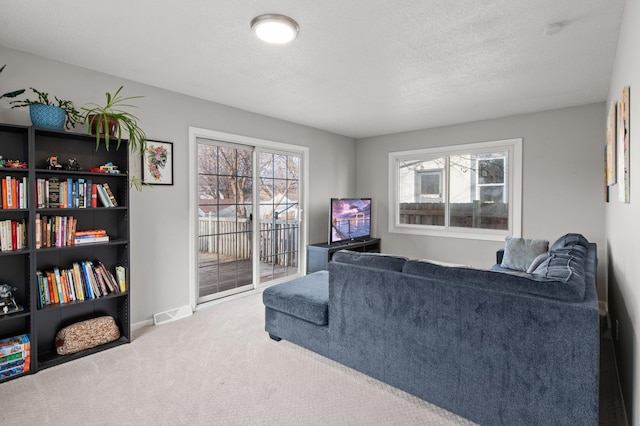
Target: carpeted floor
<point x="215" y="367"/>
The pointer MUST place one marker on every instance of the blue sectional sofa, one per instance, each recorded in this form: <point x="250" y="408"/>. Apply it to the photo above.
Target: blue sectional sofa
<point x="497" y="347"/>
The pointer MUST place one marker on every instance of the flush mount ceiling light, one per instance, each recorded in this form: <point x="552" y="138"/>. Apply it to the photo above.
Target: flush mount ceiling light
<point x="272" y="28"/>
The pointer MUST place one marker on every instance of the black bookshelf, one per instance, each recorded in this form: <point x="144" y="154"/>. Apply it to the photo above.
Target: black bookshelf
<point x="319" y="255"/>
<point x="18" y="267"/>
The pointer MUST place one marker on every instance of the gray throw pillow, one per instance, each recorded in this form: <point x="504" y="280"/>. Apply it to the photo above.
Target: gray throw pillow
<point x="519" y="253"/>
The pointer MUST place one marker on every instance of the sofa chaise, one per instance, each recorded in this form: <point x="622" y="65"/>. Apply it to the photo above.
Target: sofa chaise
<point x="495" y="346"/>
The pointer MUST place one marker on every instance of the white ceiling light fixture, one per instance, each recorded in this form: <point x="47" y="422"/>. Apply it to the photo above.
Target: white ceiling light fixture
<point x="273" y="28"/>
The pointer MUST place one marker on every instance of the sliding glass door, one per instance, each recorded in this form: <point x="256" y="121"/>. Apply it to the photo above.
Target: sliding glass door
<point x="245" y="191"/>
<point x="279" y="214"/>
<point x="225" y="202"/>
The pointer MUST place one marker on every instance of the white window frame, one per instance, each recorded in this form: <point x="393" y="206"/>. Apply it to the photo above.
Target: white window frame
<point x="514" y="178"/>
<point x="258" y="144"/>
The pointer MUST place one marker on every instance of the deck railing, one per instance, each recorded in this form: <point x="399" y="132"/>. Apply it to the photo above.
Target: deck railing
<point x="466" y="215"/>
<point x="233" y="238"/>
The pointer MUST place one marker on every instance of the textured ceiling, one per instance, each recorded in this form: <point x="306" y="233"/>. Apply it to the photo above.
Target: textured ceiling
<point x="358" y="67"/>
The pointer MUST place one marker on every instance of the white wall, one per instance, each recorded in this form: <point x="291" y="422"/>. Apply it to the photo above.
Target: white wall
<point x="562" y="180"/>
<point x="159" y="216"/>
<point x="622" y="221"/>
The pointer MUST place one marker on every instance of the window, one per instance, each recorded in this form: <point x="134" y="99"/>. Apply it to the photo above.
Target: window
<point x="464" y="191"/>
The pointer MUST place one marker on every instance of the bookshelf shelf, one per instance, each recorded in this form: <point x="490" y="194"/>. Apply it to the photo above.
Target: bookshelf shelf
<point x="97" y="301"/>
<point x="20" y="268"/>
<point x="17" y="315"/>
<point x="15" y="252"/>
<point x="51" y="358"/>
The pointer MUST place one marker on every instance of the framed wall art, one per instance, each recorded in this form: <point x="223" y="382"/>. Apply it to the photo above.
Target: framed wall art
<point x="623" y="146"/>
<point x="610" y="169"/>
<point x="157" y="163"/>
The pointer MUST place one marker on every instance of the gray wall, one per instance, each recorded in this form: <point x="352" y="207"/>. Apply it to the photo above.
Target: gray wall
<point x="562" y="180"/>
<point x="622" y="229"/>
<point x="159" y="216"/>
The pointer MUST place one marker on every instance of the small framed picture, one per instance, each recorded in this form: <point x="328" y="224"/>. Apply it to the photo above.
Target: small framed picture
<point x="157" y="163"/>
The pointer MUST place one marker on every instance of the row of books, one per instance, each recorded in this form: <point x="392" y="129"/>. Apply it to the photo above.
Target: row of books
<point x="82" y="281"/>
<point x="13" y="235"/>
<point x="60" y="231"/>
<point x="69" y="193"/>
<point x="14" y="192"/>
<point x="15" y="355"/>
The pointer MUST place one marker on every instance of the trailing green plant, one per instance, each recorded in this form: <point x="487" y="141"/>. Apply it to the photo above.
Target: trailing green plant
<point x="73" y="116"/>
<point x="99" y="118"/>
<point x="13" y="93"/>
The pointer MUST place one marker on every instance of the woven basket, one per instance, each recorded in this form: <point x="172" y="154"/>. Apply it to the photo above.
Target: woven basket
<point x="47" y="116"/>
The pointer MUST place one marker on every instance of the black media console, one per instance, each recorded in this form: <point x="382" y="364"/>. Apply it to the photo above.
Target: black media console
<point x="319" y="255"/>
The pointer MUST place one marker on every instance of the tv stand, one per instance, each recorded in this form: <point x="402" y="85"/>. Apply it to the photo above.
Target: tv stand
<point x="319" y="255"/>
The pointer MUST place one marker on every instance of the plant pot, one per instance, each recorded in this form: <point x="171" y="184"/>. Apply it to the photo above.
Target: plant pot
<point x="97" y="121"/>
<point x="47" y="116"/>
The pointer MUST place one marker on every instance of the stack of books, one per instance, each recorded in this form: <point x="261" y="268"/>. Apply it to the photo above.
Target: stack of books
<point x="60" y="231"/>
<point x="82" y="281"/>
<point x="90" y="236"/>
<point x="15" y="355"/>
<point x="14" y="192"/>
<point x="13" y="235"/>
<point x="69" y="193"/>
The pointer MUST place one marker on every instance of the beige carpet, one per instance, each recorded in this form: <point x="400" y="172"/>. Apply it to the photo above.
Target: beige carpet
<point x="216" y="367"/>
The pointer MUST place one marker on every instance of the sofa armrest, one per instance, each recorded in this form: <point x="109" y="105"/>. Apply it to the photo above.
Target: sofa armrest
<point x="499" y="256"/>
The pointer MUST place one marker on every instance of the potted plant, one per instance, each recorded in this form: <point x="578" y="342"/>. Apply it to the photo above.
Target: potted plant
<point x="108" y="121"/>
<point x="49" y="115"/>
<point x="13" y="93"/>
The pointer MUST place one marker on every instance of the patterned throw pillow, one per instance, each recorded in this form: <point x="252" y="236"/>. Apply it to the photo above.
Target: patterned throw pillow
<point x="519" y="253"/>
<point x="86" y="334"/>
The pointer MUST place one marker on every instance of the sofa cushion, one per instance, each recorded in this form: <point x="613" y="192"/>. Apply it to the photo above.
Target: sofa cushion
<point x="371" y="260"/>
<point x="306" y="297"/>
<point x="520" y="252"/>
<point x="537" y="262"/>
<point x="512" y="281"/>
<point x="563" y="264"/>
<point x="570" y="240"/>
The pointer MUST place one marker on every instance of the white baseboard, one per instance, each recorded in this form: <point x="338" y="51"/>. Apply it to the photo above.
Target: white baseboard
<point x="172" y="315"/>
<point x="141" y="324"/>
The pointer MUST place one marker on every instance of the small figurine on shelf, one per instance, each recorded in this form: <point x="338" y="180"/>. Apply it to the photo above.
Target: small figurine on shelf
<point x="72" y="164"/>
<point x="8" y="303"/>
<point x="15" y="164"/>
<point x="52" y="163"/>
<point x="110" y="168"/>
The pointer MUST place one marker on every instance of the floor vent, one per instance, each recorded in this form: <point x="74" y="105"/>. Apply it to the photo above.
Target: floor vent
<point x="172" y="315"/>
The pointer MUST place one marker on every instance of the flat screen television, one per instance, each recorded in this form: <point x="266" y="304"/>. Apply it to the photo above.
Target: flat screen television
<point x="350" y="219"/>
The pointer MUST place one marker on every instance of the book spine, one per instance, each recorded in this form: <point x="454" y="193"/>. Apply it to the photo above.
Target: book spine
<point x="88" y="240"/>
<point x="104" y="196"/>
<point x="53" y="290"/>
<point x="8" y="185"/>
<point x="94" y="195"/>
<point x="121" y="276"/>
<point x="4" y="246"/>
<point x="25" y="192"/>
<point x="69" y="193"/>
<point x="77" y="275"/>
<point x="14" y="235"/>
<point x="112" y="197"/>
<point x="15" y="355"/>
<point x="14" y="371"/>
<point x="3" y="188"/>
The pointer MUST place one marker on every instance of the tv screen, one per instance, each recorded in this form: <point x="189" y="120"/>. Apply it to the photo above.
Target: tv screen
<point x="350" y="219"/>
